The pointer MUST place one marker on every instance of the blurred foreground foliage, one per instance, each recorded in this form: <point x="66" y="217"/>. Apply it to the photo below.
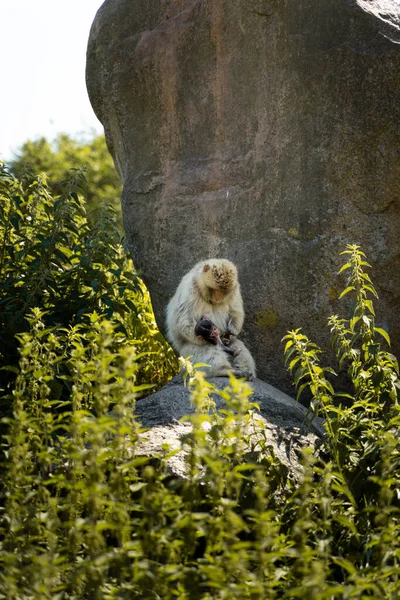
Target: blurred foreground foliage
<point x="85" y="515"/>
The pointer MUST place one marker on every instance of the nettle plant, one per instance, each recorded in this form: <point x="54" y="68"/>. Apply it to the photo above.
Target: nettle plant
<point x="362" y="424"/>
<point x="83" y="514"/>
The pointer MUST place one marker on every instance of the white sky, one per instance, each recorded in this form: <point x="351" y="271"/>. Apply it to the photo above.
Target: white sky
<point x="43" y="51"/>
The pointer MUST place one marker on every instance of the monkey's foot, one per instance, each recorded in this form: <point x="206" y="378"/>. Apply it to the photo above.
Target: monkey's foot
<point x="243" y="373"/>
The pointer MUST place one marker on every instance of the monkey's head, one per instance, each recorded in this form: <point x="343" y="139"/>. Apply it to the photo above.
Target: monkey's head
<point x="218" y="279"/>
<point x="206" y="330"/>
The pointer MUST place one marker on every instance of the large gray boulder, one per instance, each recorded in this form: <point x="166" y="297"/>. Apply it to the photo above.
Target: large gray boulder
<point x="263" y="131"/>
<point x="283" y="423"/>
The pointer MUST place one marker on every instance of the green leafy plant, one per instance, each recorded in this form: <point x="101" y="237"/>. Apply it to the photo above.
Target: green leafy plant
<point x="362" y="424"/>
<point x="54" y="259"/>
<point x="83" y="514"/>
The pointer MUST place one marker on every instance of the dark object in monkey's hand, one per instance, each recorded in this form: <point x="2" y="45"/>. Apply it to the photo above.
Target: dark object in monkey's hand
<point x="209" y="332"/>
<point x="206" y="329"/>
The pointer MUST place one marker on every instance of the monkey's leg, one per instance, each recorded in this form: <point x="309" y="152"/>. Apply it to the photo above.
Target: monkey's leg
<point x="213" y="356"/>
<point x="243" y="363"/>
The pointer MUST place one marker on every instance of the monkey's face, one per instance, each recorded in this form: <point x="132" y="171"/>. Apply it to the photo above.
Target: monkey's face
<point x="214" y="295"/>
<point x="218" y="295"/>
<point x="220" y="280"/>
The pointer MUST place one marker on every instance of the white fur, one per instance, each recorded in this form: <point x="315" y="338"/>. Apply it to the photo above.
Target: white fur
<point x="192" y="300"/>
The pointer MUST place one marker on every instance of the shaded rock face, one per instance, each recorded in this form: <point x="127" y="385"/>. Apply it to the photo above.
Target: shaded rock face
<point x="263" y="131"/>
<point x="283" y="423"/>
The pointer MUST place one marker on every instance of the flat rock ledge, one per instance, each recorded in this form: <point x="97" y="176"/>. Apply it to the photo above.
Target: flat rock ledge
<point x="288" y="425"/>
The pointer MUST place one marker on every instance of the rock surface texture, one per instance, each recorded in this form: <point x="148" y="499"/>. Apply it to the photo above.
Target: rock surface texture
<point x="263" y="131"/>
<point x="287" y="425"/>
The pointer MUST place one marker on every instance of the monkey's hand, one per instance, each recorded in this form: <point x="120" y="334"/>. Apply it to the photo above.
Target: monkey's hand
<point x="231" y="328"/>
<point x="227" y="338"/>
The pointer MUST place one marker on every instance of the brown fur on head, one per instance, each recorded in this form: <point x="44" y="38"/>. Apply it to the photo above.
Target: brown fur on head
<point x="218" y="278"/>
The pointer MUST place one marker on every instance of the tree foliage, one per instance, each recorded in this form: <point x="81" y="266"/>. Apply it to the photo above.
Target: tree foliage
<point x="102" y="185"/>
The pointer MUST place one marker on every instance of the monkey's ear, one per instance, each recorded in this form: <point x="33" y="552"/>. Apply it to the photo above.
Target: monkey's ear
<point x="206" y="268"/>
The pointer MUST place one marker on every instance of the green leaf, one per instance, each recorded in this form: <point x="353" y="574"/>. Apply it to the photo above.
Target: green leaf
<point x="288" y="345"/>
<point x="246" y="467"/>
<point x="345" y="267"/>
<point x="353" y="322"/>
<point x="301" y="389"/>
<point x="293" y="363"/>
<point x="383" y="333"/>
<point x="371" y="289"/>
<point x="346" y="291"/>
<point x="345" y="564"/>
<point x="370" y="306"/>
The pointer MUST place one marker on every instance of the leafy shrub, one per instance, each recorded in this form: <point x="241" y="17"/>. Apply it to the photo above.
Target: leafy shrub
<point x="53" y="259"/>
<point x="86" y="516"/>
<point x="362" y="428"/>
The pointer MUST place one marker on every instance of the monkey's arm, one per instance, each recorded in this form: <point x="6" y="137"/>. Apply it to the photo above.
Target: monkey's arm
<point x="184" y="326"/>
<point x="186" y="334"/>
<point x="181" y="320"/>
<point x="236" y="314"/>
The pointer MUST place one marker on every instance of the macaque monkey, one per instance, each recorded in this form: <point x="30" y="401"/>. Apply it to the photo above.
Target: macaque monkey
<point x="211" y="288"/>
<point x="206" y="330"/>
